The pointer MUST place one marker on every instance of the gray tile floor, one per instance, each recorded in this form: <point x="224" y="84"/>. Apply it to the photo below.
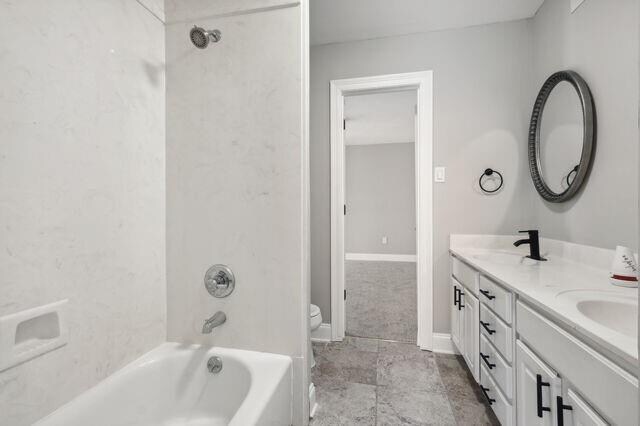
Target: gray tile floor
<point x="375" y="382"/>
<point x="381" y="300"/>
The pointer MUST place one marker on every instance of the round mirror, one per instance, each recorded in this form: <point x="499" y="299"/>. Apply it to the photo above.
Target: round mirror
<point x="561" y="136"/>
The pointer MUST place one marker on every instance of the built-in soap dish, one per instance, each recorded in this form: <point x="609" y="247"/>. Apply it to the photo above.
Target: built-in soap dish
<point x="31" y="333"/>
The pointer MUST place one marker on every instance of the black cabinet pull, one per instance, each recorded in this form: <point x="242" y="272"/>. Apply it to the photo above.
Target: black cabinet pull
<point x="486" y="327"/>
<point x="539" y="385"/>
<point x="560" y="411"/>
<point x="487" y="294"/>
<point x="486" y="395"/>
<point x="460" y="294"/>
<point x="455" y="295"/>
<point x="485" y="358"/>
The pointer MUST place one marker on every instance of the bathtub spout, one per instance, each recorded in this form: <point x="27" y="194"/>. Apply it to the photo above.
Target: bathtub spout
<point x="216" y="320"/>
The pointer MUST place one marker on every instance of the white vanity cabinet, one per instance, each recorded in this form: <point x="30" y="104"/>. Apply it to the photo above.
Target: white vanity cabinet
<point x="538" y="386"/>
<point x="531" y="367"/>
<point x="457" y="320"/>
<point x="465" y="314"/>
<point x="470" y="351"/>
<point x="599" y="388"/>
<point x="497" y="345"/>
<point x="464" y="325"/>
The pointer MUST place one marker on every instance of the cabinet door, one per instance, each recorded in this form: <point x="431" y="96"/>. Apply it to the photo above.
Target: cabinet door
<point x="456" y="313"/>
<point x="537" y="387"/>
<point x="471" y="326"/>
<point x="572" y="410"/>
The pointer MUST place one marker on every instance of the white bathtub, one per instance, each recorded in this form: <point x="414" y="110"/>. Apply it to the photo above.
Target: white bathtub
<point x="171" y="386"/>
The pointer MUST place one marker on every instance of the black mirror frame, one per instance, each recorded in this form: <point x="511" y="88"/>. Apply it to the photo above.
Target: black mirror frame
<point x="589" y="138"/>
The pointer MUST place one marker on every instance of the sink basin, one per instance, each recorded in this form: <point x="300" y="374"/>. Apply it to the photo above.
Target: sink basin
<point x="618" y="316"/>
<point x="505" y="258"/>
<point x="616" y="312"/>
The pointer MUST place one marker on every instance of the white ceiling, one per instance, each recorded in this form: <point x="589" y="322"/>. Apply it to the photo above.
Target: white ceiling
<point x="380" y="118"/>
<point x="335" y="21"/>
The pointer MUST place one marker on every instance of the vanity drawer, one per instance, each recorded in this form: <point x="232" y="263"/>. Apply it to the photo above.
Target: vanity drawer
<point x="497" y="298"/>
<point x="465" y="274"/>
<point x="497" y="332"/>
<point x="499" y="403"/>
<point x="500" y="370"/>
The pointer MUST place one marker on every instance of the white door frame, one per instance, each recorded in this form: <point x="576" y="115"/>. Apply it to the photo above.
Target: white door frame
<point x="422" y="82"/>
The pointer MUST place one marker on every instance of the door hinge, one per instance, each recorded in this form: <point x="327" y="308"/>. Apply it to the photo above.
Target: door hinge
<point x="345" y="209"/>
<point x="344" y="124"/>
<point x="345" y="295"/>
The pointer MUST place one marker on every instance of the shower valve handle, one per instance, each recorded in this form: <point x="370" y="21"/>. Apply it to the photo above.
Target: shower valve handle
<point x="219" y="281"/>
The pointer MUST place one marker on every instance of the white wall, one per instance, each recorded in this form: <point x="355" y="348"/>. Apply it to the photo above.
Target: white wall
<point x="600" y="42"/>
<point x="82" y="165"/>
<point x="381" y="198"/>
<point x="481" y="113"/>
<point x="235" y="184"/>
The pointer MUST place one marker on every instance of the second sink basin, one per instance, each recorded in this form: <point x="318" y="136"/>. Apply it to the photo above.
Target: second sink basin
<point x="608" y="309"/>
<point x="618" y="316"/>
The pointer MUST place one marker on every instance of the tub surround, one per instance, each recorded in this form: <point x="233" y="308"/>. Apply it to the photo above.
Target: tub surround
<point x="235" y="181"/>
<point x="82" y="193"/>
<point x="546" y="285"/>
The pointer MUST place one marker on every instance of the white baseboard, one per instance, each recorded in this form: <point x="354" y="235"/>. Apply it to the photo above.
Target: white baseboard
<point x="322" y="334"/>
<point x="381" y="257"/>
<point x="443" y="344"/>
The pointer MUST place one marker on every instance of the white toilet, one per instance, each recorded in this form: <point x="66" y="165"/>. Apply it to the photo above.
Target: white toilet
<point x="315" y="319"/>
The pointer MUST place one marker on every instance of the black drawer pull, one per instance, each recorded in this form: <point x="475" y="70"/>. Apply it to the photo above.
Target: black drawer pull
<point x="560" y="411"/>
<point x="486" y="395"/>
<point x="487" y="294"/>
<point x="485" y="358"/>
<point x="539" y="385"/>
<point x="486" y="327"/>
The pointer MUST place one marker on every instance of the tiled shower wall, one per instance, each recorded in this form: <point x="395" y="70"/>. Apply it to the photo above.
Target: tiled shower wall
<point x="82" y="165"/>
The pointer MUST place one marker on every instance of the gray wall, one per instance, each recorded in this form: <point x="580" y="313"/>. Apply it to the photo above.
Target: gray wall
<point x="481" y="112"/>
<point x="381" y="198"/>
<point x="599" y="41"/>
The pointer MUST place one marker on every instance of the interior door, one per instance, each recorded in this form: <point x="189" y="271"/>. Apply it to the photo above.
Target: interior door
<point x="537" y="388"/>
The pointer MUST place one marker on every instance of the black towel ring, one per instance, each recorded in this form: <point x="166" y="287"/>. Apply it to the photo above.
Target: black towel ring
<point x="574" y="170"/>
<point x="489" y="172"/>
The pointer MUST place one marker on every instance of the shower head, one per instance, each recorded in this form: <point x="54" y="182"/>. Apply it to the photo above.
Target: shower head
<point x="201" y="37"/>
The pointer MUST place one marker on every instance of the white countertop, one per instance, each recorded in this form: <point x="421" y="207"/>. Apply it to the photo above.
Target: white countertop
<point x="541" y="284"/>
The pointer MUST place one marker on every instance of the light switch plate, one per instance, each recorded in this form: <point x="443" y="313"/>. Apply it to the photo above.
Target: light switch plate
<point x="439" y="174"/>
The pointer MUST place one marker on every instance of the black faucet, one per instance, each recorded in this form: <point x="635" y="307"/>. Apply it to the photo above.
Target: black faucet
<point x="534" y="244"/>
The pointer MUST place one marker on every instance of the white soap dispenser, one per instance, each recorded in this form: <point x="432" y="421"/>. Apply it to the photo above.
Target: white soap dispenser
<point x="624" y="270"/>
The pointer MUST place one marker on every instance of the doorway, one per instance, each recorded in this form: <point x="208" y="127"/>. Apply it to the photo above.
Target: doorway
<point x="375" y="257"/>
<point x="380" y="220"/>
